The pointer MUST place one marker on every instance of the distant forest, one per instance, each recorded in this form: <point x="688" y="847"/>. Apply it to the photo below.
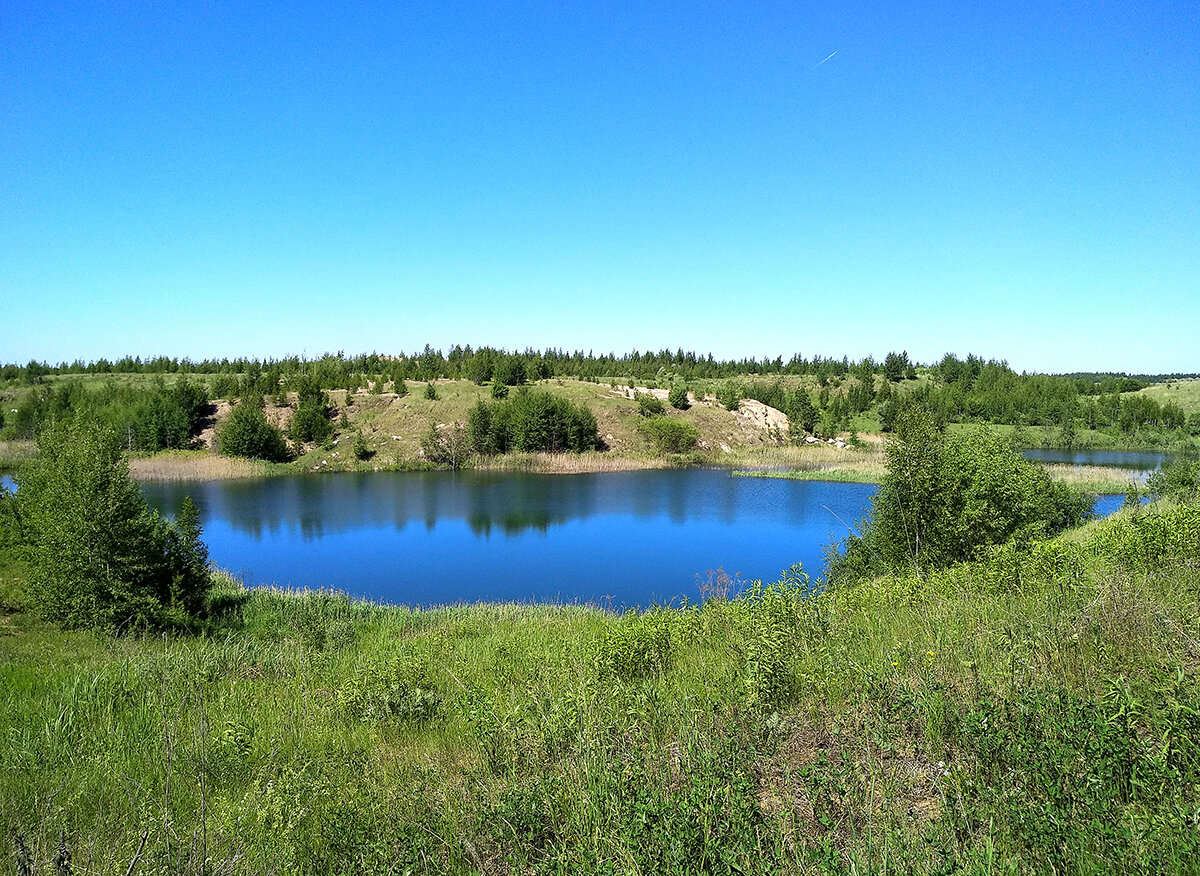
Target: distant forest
<point x="165" y="410"/>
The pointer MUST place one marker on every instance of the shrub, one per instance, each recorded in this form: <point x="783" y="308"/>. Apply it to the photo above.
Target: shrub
<point x="669" y="436"/>
<point x="499" y="390"/>
<point x="361" y="450"/>
<point x="511" y="371"/>
<point x="446" y="448"/>
<point x="311" y="421"/>
<point x="431" y="391"/>
<point x="678" y="397"/>
<point x="649" y="406"/>
<point x="1178" y="480"/>
<point x="247" y="433"/>
<point x="532" y="422"/>
<point x="946" y="498"/>
<point x="729" y="395"/>
<point x="97" y="555"/>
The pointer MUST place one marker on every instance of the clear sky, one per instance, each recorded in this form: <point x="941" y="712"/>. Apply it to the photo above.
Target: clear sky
<point x="1018" y="180"/>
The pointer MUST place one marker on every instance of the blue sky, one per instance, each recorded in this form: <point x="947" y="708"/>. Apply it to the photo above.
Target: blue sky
<point x="1019" y="180"/>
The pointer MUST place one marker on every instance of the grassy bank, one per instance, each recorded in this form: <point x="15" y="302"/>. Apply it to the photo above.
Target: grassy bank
<point x="1031" y="712"/>
<point x="197" y="465"/>
<point x="870" y="470"/>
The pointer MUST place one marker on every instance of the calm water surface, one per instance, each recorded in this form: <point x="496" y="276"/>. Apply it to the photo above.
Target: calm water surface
<point x="630" y="538"/>
<point x="1138" y="460"/>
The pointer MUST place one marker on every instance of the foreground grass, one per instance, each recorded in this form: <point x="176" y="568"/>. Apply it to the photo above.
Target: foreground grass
<point x="1037" y="711"/>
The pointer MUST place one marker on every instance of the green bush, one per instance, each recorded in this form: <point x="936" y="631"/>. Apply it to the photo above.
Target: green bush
<point x="946" y="498"/>
<point x="311" y="420"/>
<point x="97" y="555"/>
<point x="431" y="391"/>
<point x="669" y="436"/>
<point x="247" y="433"/>
<point x="729" y="395"/>
<point x="531" y="422"/>
<point x="446" y="448"/>
<point x="1178" y="480"/>
<point x="362" y="451"/>
<point x="499" y="390"/>
<point x="649" y="406"/>
<point x="402" y="689"/>
<point x="678" y="397"/>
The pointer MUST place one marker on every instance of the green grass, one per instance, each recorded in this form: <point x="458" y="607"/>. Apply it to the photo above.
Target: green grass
<point x="1185" y="393"/>
<point x="1031" y="712"/>
<point x="838" y="475"/>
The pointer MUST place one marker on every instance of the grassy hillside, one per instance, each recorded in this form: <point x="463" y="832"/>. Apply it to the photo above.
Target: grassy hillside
<point x="1031" y="712"/>
<point x="1185" y="393"/>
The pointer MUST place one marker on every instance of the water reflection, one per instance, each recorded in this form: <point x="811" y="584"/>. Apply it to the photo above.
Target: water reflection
<point x="318" y="506"/>
<point x="635" y="536"/>
<point x="1139" y="460"/>
<point x="627" y="538"/>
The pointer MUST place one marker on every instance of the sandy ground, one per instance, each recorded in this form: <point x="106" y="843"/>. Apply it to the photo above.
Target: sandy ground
<point x="752" y="416"/>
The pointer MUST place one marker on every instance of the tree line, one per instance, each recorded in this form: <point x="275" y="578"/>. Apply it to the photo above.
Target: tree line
<point x="955" y="390"/>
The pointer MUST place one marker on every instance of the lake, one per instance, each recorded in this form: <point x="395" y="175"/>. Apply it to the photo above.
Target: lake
<point x="617" y="538"/>
<point x="1139" y="460"/>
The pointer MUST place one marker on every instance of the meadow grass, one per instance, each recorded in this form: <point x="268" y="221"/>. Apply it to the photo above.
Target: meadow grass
<point x="1033" y="711"/>
<point x="1185" y="393"/>
<point x="13" y="453"/>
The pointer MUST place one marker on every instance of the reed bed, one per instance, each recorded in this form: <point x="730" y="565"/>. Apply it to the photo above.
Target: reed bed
<point x="177" y="466"/>
<point x="1096" y="478"/>
<point x="568" y="463"/>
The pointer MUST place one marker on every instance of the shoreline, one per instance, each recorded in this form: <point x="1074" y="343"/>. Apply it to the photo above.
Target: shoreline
<point x="785" y="463"/>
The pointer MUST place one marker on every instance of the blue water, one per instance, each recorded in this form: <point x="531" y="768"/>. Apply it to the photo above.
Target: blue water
<point x="619" y="539"/>
<point x="1139" y="460"/>
<point x="629" y="538"/>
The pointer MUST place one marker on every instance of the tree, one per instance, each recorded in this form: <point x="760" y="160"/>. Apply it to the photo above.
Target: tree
<point x="362" y="451"/>
<point x="946" y="497"/>
<point x="247" y="433"/>
<point x="895" y="365"/>
<point x="729" y="395"/>
<point x="678" y="397"/>
<point x="311" y="421"/>
<point x="446" y="448"/>
<point x="532" y="422"/>
<point x="97" y="555"/>
<point x="1178" y="480"/>
<point x="511" y="371"/>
